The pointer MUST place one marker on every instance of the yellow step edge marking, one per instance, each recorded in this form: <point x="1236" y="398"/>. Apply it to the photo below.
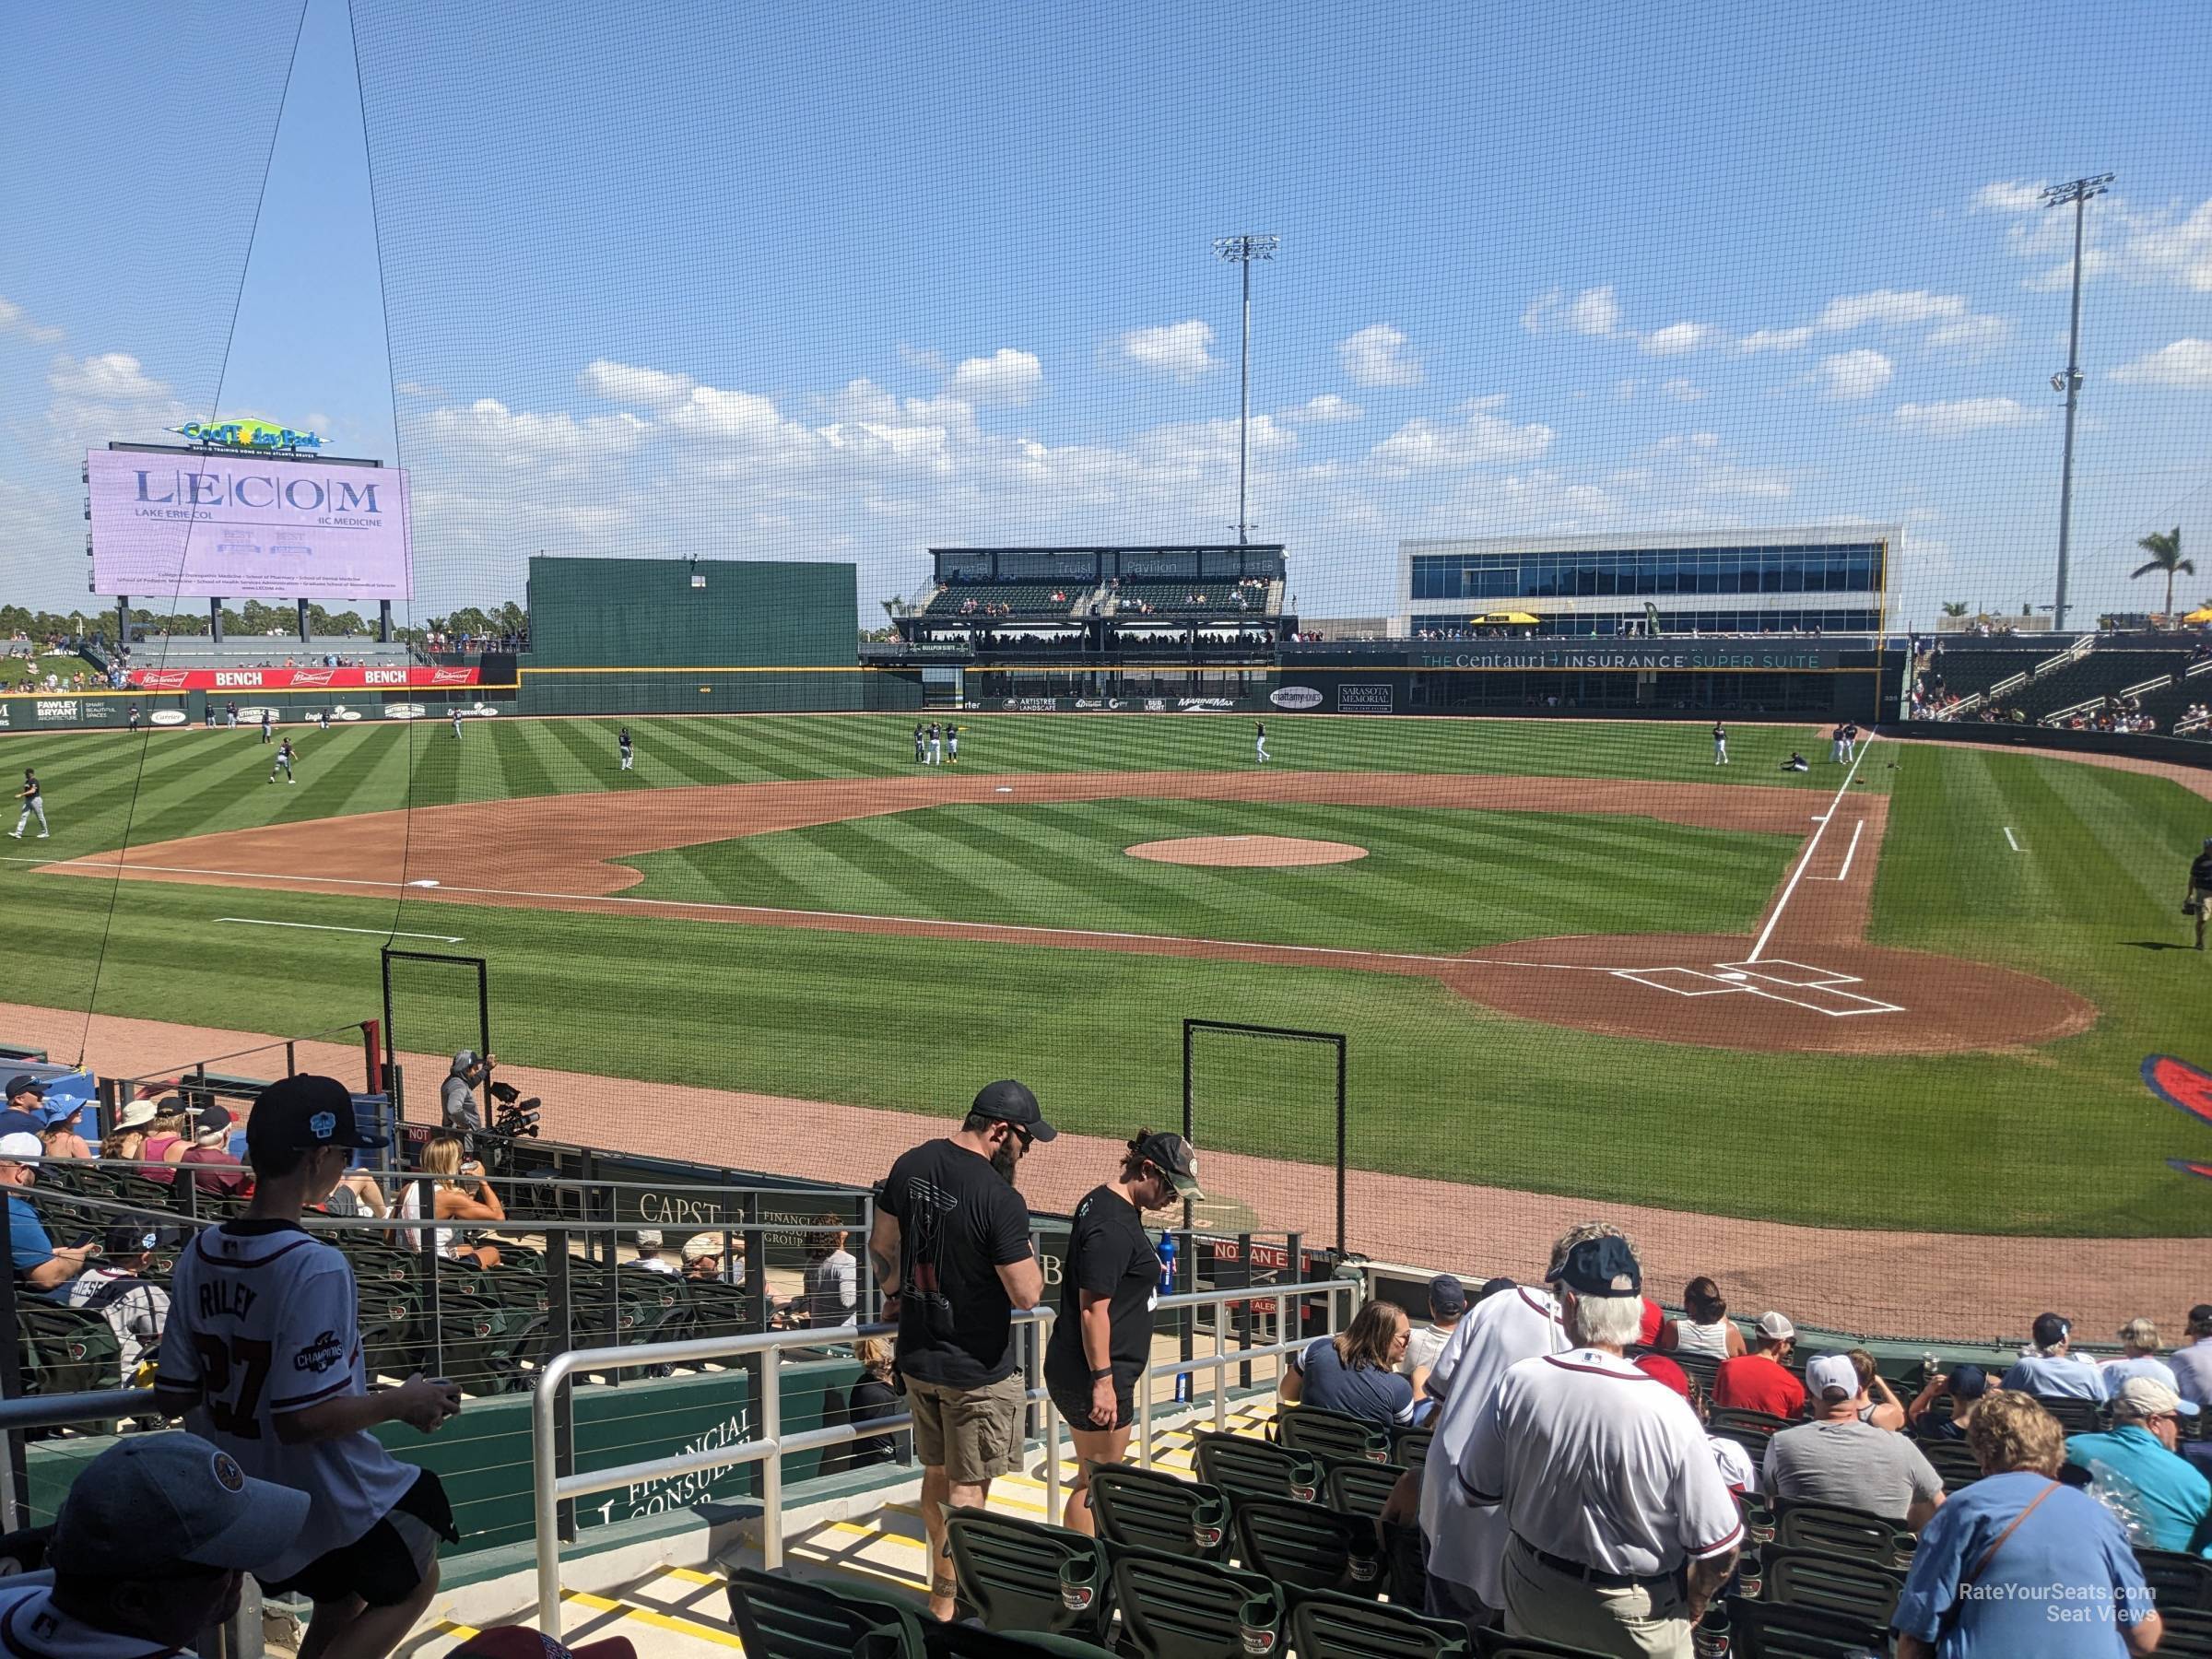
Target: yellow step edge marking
<point x="693" y="1576"/>
<point x="459" y="1632"/>
<point x="660" y="1622"/>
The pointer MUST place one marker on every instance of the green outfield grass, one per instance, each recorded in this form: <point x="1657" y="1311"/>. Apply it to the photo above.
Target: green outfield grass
<point x="2062" y="1138"/>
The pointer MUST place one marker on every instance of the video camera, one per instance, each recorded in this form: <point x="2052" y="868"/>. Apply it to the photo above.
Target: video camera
<point x="513" y="1116"/>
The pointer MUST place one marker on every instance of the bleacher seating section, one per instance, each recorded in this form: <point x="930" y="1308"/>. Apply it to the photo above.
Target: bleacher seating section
<point x="1965" y="673"/>
<point x="1171" y="597"/>
<point x="2098" y="673"/>
<point x="264" y="651"/>
<point x="1023" y="598"/>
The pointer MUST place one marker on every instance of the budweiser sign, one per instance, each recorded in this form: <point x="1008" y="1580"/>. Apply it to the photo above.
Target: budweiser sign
<point x="297" y="679"/>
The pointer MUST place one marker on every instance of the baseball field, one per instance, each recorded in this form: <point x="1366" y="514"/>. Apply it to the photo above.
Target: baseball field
<point x="1567" y="956"/>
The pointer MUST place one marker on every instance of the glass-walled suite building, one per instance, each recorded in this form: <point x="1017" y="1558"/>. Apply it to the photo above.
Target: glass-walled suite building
<point x="1829" y="579"/>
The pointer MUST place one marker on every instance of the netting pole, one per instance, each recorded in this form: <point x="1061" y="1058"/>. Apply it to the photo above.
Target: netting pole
<point x="1341" y="1047"/>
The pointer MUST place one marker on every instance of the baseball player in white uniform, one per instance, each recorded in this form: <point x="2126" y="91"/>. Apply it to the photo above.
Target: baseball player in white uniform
<point x="1719" y="744"/>
<point x="1835" y="744"/>
<point x="266" y="727"/>
<point x="936" y="745"/>
<point x="282" y="763"/>
<point x="628" y="751"/>
<point x="456" y="725"/>
<point x="262" y="1356"/>
<point x="1851" y="740"/>
<point x="34" y="806"/>
<point x="1259" y="740"/>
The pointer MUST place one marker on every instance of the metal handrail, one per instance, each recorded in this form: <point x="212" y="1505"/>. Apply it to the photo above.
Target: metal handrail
<point x="551" y="1489"/>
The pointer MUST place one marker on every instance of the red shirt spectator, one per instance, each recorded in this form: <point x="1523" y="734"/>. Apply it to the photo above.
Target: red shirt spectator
<point x="1759" y="1380"/>
<point x="1647" y="1334"/>
<point x="213" y="1169"/>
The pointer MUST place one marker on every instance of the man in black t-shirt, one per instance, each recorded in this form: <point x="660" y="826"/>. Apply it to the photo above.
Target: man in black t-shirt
<point x="1103" y="1339"/>
<point x="2200" y="889"/>
<point x="951" y="1250"/>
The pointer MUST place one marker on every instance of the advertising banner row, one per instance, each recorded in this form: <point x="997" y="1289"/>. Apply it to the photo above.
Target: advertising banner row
<point x="297" y="679"/>
<point x="1376" y="699"/>
<point x="112" y="712"/>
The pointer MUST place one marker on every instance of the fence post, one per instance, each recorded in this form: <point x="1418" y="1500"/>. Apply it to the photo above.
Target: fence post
<point x="560" y="1339"/>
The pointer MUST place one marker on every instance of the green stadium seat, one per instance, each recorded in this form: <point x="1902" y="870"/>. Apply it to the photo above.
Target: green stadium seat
<point x="1024" y="1575"/>
<point x="2177" y="1581"/>
<point x="1331" y="1434"/>
<point x="1308" y="1546"/>
<point x="1954" y="1460"/>
<point x="1358" y="1487"/>
<point x="1175" y="1607"/>
<point x="66" y="1350"/>
<point x="1144" y="1509"/>
<point x="1497" y="1644"/>
<point x="2075" y="1417"/>
<point x="1764" y="1629"/>
<point x="1762" y="1424"/>
<point x="1409" y="1447"/>
<point x="1243" y="1467"/>
<point x="963" y="1640"/>
<point x="473" y="1346"/>
<point x="1846" y="1587"/>
<point x="1323" y="1625"/>
<point x="1801" y="1525"/>
<point x="779" y="1617"/>
<point x="1701" y="1369"/>
<point x="2188" y="1635"/>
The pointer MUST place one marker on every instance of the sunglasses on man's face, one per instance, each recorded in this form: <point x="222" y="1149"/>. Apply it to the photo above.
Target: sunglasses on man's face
<point x="1023" y="1135"/>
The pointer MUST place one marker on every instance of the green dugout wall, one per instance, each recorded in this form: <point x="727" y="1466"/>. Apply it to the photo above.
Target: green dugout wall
<point x="619" y="636"/>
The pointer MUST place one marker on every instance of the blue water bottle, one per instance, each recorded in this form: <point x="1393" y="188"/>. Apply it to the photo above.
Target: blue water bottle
<point x="1167" y="1288"/>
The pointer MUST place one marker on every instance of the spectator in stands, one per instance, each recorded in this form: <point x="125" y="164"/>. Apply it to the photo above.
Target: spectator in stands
<point x="830" y="1293"/>
<point x="704" y="1258"/>
<point x="2015" y="1547"/>
<point x="38" y="1265"/>
<point x="166" y="1141"/>
<point x="1622" y="1528"/>
<point x="1447" y="1307"/>
<point x="1966" y="1385"/>
<point x="1841" y="1459"/>
<point x="873" y="1397"/>
<point x="149" y="1552"/>
<point x="126" y="1140"/>
<point x="1734" y="1462"/>
<point x="1761" y="1380"/>
<point x="2139" y="1358"/>
<point x="2135" y="1468"/>
<point x="358" y="1194"/>
<point x="61" y="1136"/>
<point x="2050" y="1368"/>
<point x="26" y="1113"/>
<point x="460" y="1193"/>
<point x="115" y="1288"/>
<point x="649" y="1258"/>
<point x="1707" y="1329"/>
<point x="2192" y="1360"/>
<point x="1355" y="1372"/>
<point x="1883" y="1408"/>
<point x="951" y="1250"/>
<point x="215" y="1168"/>
<point x="1103" y="1339"/>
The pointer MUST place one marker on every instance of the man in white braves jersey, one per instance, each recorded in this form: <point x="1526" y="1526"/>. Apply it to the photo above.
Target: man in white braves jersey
<point x="262" y="1354"/>
<point x="1466" y="1544"/>
<point x="1622" y="1528"/>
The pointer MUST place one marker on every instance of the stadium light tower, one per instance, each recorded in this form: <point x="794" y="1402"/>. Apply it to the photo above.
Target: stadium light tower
<point x="1242" y="250"/>
<point x="2069" y="381"/>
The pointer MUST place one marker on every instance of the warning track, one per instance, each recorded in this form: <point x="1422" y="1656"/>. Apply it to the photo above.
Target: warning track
<point x="1787" y="988"/>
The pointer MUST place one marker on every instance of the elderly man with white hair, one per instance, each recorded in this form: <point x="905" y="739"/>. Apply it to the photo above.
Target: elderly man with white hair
<point x="39" y="1264"/>
<point x="2138" y="1358"/>
<point x="1622" y="1529"/>
<point x="2135" y="1468"/>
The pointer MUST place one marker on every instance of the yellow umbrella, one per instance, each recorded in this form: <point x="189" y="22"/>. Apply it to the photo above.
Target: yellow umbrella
<point x="2203" y="614"/>
<point x="1505" y="620"/>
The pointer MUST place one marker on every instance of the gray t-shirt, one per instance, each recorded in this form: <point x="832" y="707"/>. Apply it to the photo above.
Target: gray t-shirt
<point x="2192" y="1369"/>
<point x="457" y="1103"/>
<point x="1854" y="1464"/>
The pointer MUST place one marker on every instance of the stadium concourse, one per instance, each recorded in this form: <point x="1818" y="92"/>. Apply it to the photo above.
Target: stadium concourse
<point x="1891" y="1283"/>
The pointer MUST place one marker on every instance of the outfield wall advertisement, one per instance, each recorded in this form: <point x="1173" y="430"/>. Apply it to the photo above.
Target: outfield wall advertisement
<point x="247" y="526"/>
<point x="297" y="680"/>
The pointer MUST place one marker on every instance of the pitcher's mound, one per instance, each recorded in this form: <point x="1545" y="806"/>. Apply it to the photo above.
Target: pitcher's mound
<point x="1246" y="851"/>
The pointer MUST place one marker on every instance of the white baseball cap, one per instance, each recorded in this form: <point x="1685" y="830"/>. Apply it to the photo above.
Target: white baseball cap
<point x="2149" y="1397"/>
<point x="1832" y="1373"/>
<point x="649" y="1235"/>
<point x="22" y="1143"/>
<point x="1776" y="1328"/>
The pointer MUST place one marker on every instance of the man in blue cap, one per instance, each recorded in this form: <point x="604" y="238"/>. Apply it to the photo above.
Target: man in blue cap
<point x="1622" y="1529"/>
<point x="1966" y="1384"/>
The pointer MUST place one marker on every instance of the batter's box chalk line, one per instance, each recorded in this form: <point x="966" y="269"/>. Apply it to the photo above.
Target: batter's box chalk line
<point x="1818" y="990"/>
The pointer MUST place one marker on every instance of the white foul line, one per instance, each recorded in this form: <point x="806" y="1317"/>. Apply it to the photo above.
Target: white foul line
<point x="2010" y="843"/>
<point x="327" y="927"/>
<point x="1811" y="847"/>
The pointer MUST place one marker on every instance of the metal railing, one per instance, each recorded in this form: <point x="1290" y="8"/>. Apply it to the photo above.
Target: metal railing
<point x="551" y="1489"/>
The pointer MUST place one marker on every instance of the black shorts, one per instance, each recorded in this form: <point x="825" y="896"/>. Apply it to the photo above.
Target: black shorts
<point x="387" y="1563"/>
<point x="1072" y="1401"/>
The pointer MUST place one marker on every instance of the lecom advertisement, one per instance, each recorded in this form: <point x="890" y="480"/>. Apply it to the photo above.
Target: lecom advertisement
<point x="247" y="526"/>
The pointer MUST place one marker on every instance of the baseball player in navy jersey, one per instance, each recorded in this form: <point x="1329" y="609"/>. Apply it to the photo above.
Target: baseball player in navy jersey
<point x="262" y="1356"/>
<point x="322" y="720"/>
<point x="284" y="762"/>
<point x="1719" y="744"/>
<point x="1851" y="740"/>
<point x="1259" y="740"/>
<point x="921" y="746"/>
<point x="34" y="806"/>
<point x="266" y="730"/>
<point x="134" y="719"/>
<point x="456" y="725"/>
<point x="623" y="744"/>
<point x="1835" y="745"/>
<point x="936" y="745"/>
<point x="952" y="743"/>
<point x="231" y="713"/>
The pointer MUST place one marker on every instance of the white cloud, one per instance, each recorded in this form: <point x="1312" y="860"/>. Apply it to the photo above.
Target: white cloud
<point x="2009" y="196"/>
<point x="1179" y="349"/>
<point x="1478" y="439"/>
<point x="1374" y="356"/>
<point x="2164" y="245"/>
<point x="1854" y="374"/>
<point x="1773" y="339"/>
<point x="1676" y="339"/>
<point x="490" y="433"/>
<point x="1971" y="337"/>
<point x="1323" y="410"/>
<point x="113" y="376"/>
<point x="14" y="320"/>
<point x="109" y="396"/>
<point x="624" y="383"/>
<point x="1682" y="390"/>
<point x="921" y="356"/>
<point x="1694" y="463"/>
<point x="2186" y="362"/>
<point x="1007" y="376"/>
<point x="2176" y="251"/>
<point x="1595" y="311"/>
<point x="1890" y="309"/>
<point x="1957" y="418"/>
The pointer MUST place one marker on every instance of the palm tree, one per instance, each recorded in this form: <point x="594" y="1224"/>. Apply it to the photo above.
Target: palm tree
<point x="1955" y="608"/>
<point x="2165" y="550"/>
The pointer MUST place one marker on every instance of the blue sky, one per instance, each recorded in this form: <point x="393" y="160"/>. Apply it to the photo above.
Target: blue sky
<point x="696" y="283"/>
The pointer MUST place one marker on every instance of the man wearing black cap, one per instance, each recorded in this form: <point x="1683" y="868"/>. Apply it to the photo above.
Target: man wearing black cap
<point x="262" y="1354"/>
<point x="1447" y="1307"/>
<point x="951" y="1250"/>
<point x="26" y="1113"/>
<point x="147" y="1552"/>
<point x="1621" y="1526"/>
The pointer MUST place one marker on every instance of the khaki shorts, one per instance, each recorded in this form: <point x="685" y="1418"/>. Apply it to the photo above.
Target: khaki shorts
<point x="974" y="1434"/>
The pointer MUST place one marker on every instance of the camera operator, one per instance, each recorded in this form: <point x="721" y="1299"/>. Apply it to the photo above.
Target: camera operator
<point x="457" y="1094"/>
